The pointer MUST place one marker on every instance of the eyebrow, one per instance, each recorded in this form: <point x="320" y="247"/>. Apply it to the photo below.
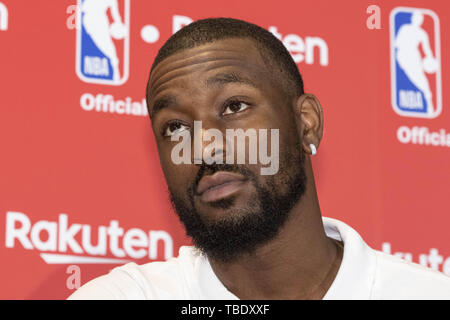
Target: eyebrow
<point x="222" y="79"/>
<point x="162" y="103"/>
<point x="219" y="79"/>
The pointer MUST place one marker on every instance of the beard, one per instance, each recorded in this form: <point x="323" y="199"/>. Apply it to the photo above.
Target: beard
<point x="243" y="229"/>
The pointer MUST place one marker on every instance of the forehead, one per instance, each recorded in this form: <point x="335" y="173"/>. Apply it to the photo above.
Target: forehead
<point x="239" y="56"/>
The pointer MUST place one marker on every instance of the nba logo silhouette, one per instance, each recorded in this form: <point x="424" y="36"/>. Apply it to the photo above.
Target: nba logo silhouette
<point x="416" y="85"/>
<point x="103" y="38"/>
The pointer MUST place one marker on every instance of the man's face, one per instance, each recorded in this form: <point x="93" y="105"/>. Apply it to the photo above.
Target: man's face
<point x="228" y="209"/>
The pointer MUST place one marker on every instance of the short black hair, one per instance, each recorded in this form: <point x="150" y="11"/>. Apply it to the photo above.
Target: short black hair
<point x="212" y="29"/>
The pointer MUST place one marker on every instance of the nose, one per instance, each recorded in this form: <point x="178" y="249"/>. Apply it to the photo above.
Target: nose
<point x="208" y="143"/>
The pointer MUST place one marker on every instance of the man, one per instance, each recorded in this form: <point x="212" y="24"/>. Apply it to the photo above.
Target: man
<point x="256" y="236"/>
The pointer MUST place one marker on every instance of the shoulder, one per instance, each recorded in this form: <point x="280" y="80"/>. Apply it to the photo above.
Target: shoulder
<point x="366" y="273"/>
<point x="154" y="280"/>
<point x="397" y="278"/>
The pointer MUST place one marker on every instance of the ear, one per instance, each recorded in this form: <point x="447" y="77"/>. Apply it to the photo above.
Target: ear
<point x="309" y="116"/>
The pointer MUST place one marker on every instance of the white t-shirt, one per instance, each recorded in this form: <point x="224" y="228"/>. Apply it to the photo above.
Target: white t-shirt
<point x="364" y="274"/>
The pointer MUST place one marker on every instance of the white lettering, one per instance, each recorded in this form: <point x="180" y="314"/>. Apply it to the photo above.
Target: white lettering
<point x="410" y="99"/>
<point x="100" y="248"/>
<point x="241" y="136"/>
<point x="50" y="243"/>
<point x="264" y="158"/>
<point x="114" y="232"/>
<point x="296" y="47"/>
<point x="135" y="238"/>
<point x="435" y="259"/>
<point x="108" y="104"/>
<point x="72" y="21"/>
<point x="3" y="17"/>
<point x="446" y="266"/>
<point x="423" y="136"/>
<point x="61" y="236"/>
<point x="179" y="22"/>
<point x="96" y="66"/>
<point x="300" y="50"/>
<point x="20" y="233"/>
<point x="154" y="237"/>
<point x="374" y="20"/>
<point x="66" y="235"/>
<point x="74" y="280"/>
<point x="311" y="43"/>
<point x="303" y="50"/>
<point x="184" y="147"/>
<point x="87" y="102"/>
<point x="214" y="151"/>
<point x="432" y="260"/>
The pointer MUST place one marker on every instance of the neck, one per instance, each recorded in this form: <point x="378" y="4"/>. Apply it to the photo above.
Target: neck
<point x="301" y="262"/>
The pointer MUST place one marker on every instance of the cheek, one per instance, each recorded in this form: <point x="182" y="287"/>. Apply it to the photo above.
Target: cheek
<point x="289" y="148"/>
<point x="289" y="139"/>
<point x="178" y="176"/>
<point x="288" y="135"/>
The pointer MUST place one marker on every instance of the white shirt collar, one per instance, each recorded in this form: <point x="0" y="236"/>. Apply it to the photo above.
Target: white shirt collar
<point x="356" y="274"/>
<point x="354" y="279"/>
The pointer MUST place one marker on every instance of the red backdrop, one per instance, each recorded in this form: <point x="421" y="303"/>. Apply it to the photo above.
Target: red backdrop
<point x="80" y="185"/>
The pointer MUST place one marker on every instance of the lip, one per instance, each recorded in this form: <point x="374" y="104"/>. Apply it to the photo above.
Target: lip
<point x="219" y="185"/>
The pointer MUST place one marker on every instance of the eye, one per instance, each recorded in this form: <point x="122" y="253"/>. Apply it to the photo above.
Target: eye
<point x="173" y="128"/>
<point x="235" y="107"/>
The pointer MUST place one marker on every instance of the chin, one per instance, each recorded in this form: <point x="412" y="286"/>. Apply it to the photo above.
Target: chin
<point x="230" y="215"/>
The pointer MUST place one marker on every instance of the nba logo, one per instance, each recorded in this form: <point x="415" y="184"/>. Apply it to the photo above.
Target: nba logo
<point x="103" y="41"/>
<point x="416" y="86"/>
